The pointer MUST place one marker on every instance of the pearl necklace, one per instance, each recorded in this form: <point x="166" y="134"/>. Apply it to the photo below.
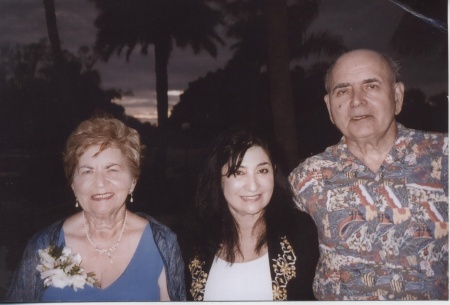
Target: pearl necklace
<point x="108" y="252"/>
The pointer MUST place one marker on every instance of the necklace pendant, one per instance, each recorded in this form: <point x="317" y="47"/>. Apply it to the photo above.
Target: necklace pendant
<point x="111" y="250"/>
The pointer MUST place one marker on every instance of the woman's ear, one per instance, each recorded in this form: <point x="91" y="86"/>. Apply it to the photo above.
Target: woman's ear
<point x="133" y="184"/>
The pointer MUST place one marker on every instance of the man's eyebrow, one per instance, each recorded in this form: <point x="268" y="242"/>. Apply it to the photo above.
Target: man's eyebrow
<point x="341" y="85"/>
<point x="370" y="80"/>
<point x="366" y="81"/>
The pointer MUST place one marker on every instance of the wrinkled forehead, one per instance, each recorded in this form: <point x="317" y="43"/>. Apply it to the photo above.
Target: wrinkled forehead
<point x="360" y="64"/>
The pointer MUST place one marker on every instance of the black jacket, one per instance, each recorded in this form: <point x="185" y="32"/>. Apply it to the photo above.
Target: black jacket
<point x="296" y="247"/>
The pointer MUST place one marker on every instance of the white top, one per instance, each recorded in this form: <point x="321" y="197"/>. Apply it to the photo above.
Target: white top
<point x="249" y="281"/>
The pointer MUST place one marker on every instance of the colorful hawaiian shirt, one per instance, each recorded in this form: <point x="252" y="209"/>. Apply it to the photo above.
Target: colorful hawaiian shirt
<point x="383" y="235"/>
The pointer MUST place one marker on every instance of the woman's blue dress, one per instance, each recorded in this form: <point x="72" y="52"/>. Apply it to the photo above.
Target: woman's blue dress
<point x="139" y="281"/>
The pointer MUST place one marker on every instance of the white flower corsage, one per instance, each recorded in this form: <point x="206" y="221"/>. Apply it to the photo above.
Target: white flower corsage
<point x="60" y="268"/>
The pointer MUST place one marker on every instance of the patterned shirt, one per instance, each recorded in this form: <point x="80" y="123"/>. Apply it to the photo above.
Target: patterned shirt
<point x="383" y="235"/>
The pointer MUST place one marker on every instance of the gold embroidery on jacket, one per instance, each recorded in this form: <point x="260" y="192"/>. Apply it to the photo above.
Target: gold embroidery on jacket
<point x="283" y="266"/>
<point x="284" y="269"/>
<point x="198" y="279"/>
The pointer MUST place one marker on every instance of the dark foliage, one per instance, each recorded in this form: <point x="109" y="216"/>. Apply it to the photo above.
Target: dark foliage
<point x="125" y="24"/>
<point x="423" y="30"/>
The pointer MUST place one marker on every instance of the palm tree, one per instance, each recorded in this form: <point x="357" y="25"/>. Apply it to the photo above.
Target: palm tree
<point x="272" y="33"/>
<point x="124" y="24"/>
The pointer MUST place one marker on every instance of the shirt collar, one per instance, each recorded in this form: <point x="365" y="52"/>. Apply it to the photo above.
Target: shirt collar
<point x="397" y="153"/>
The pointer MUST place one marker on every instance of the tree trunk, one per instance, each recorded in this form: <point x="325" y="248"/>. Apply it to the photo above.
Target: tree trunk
<point x="52" y="30"/>
<point x="65" y="102"/>
<point x="162" y="52"/>
<point x="280" y="83"/>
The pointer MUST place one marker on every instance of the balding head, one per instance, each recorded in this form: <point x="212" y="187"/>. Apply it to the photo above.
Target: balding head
<point x="392" y="65"/>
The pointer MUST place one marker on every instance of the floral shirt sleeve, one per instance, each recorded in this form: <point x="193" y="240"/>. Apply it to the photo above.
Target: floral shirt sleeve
<point x="384" y="235"/>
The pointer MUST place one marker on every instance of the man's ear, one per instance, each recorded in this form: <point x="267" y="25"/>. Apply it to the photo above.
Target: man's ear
<point x="399" y="91"/>
<point x="326" y="98"/>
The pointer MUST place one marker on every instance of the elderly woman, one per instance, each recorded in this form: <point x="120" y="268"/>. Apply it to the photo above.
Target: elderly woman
<point x="104" y="252"/>
<point x="250" y="244"/>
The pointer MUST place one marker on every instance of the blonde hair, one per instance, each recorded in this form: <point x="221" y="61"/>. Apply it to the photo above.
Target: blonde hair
<point x="105" y="132"/>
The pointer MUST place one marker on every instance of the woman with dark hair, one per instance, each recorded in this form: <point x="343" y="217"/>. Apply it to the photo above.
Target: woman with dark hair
<point x="249" y="243"/>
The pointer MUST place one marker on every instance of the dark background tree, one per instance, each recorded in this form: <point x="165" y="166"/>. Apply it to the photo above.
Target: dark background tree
<point x="413" y="38"/>
<point x="423" y="33"/>
<point x="161" y="23"/>
<point x="275" y="111"/>
<point x="279" y="78"/>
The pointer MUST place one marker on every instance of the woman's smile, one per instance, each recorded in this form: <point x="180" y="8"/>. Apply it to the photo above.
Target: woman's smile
<point x="105" y="196"/>
<point x="251" y="198"/>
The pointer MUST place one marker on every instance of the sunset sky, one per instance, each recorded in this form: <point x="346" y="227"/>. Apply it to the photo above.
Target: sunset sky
<point x="362" y="24"/>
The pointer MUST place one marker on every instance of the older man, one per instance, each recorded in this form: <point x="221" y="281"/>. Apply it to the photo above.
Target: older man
<point x="380" y="196"/>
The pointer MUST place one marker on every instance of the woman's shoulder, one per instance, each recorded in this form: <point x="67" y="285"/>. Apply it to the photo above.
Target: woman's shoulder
<point x="303" y="223"/>
<point x="41" y="240"/>
<point x="302" y="217"/>
<point x="47" y="235"/>
<point x="298" y="227"/>
<point x="137" y="222"/>
<point x="159" y="229"/>
<point x="290" y="219"/>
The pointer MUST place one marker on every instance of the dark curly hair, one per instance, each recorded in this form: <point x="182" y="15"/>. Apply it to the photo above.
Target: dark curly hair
<point x="217" y="229"/>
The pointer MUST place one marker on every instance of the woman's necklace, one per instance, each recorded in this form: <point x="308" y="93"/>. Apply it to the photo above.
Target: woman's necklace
<point x="108" y="252"/>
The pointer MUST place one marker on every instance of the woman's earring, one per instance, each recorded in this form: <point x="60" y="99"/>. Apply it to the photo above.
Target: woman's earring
<point x="131" y="196"/>
<point x="76" y="203"/>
